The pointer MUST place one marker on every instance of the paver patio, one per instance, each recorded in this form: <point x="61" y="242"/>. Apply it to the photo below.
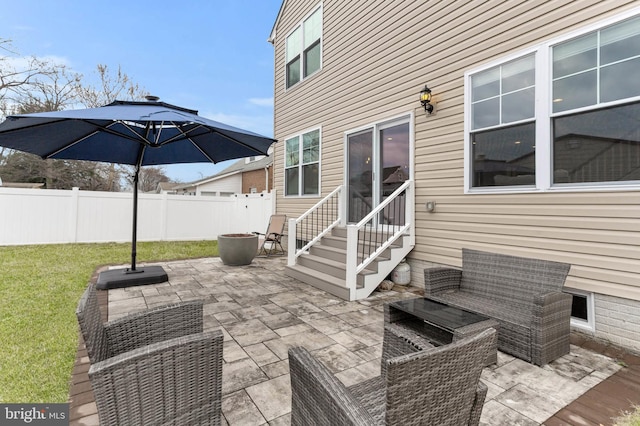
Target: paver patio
<point x="262" y="313"/>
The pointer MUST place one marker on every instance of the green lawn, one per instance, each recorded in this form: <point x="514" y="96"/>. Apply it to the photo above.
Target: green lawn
<point x="39" y="290"/>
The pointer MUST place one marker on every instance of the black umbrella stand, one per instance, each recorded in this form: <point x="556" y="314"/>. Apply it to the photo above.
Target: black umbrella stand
<point x="129" y="277"/>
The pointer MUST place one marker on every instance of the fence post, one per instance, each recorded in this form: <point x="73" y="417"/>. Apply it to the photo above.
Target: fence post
<point x="164" y="206"/>
<point x="73" y="217"/>
<point x="273" y="201"/>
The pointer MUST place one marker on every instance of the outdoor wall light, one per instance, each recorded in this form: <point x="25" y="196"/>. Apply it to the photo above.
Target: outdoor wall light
<point x="425" y="99"/>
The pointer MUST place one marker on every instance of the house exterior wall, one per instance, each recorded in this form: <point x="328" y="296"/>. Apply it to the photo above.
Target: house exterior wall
<point x="259" y="179"/>
<point x="230" y="184"/>
<point x="377" y="56"/>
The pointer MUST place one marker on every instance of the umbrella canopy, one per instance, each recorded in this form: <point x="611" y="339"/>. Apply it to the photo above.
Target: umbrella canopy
<point x="135" y="133"/>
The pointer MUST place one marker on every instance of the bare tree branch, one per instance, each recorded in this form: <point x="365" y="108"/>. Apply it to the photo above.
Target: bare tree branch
<point x="110" y="88"/>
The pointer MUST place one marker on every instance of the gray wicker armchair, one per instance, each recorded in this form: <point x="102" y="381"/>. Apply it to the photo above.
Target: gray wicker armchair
<point x="420" y="384"/>
<point x="153" y="367"/>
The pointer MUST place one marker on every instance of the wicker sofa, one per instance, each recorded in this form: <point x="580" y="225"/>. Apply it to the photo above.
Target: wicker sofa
<point x="524" y="295"/>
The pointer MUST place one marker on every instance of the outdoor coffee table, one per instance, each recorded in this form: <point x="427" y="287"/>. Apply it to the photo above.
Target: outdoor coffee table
<point x="438" y="322"/>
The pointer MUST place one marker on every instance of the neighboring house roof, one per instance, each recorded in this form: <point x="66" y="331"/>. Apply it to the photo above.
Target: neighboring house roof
<point x="21" y="185"/>
<point x="166" y="186"/>
<point x="239" y="166"/>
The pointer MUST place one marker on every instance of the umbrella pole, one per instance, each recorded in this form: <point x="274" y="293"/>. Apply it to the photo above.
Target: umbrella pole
<point x="117" y="278"/>
<point x="134" y="236"/>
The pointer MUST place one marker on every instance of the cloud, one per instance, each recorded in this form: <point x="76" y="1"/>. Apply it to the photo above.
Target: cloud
<point x="261" y="124"/>
<point x="266" y="102"/>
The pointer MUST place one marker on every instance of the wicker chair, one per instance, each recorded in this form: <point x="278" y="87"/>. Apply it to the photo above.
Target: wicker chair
<point x="419" y="385"/>
<point x="153" y="367"/>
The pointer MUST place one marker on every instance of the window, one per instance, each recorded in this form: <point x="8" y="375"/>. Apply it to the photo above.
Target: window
<point x="302" y="164"/>
<point x="582" y="309"/>
<point x="503" y="129"/>
<point x="571" y="123"/>
<point x="601" y="145"/>
<point x="303" y="49"/>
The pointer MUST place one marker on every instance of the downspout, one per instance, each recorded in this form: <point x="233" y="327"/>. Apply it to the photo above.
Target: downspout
<point x="266" y="178"/>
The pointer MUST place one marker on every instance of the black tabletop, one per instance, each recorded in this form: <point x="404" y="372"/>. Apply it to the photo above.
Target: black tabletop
<point x="437" y="313"/>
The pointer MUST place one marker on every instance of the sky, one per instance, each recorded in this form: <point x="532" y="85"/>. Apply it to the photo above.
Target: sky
<point x="208" y="55"/>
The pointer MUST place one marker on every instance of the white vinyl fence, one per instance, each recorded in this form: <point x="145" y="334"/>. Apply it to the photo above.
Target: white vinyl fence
<point x="42" y="216"/>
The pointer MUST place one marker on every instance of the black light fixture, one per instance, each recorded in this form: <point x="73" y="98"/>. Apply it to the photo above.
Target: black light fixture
<point x="425" y="99"/>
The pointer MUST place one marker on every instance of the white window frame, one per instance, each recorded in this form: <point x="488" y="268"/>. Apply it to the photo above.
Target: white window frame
<point x="299" y="135"/>
<point x="590" y="323"/>
<point x="543" y="116"/>
<point x="300" y="26"/>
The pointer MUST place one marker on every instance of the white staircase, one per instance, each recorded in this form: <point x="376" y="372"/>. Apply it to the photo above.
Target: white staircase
<point x="350" y="261"/>
<point x="324" y="266"/>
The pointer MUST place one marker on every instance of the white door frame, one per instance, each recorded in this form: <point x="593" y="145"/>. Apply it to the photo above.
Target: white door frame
<point x="376" y="127"/>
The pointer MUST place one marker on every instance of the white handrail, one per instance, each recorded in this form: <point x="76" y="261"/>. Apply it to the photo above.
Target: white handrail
<point x="319" y="204"/>
<point x="293" y="251"/>
<point x="353" y="267"/>
<point x="383" y="204"/>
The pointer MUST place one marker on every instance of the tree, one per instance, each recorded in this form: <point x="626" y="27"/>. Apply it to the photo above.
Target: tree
<point x="18" y="77"/>
<point x="52" y="91"/>
<point x="19" y="166"/>
<point x="14" y="80"/>
<point x="149" y="178"/>
<point x="110" y="88"/>
<point x="40" y="86"/>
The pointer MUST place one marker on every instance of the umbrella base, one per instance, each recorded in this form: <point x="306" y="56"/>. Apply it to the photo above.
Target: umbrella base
<point x="119" y="278"/>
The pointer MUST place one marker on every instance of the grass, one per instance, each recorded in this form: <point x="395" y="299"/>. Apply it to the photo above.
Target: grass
<point x="631" y="418"/>
<point x="39" y="289"/>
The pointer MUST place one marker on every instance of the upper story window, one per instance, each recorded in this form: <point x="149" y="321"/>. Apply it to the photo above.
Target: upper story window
<point x="304" y="49"/>
<point x="302" y="164"/>
<point x="564" y="114"/>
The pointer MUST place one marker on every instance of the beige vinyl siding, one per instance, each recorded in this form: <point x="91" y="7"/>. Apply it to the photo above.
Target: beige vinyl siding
<point x="377" y="56"/>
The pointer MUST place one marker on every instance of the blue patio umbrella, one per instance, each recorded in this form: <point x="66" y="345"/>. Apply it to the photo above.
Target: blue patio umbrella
<point x="134" y="133"/>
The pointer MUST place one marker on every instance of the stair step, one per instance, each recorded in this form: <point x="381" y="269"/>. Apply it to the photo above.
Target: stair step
<point x="324" y="265"/>
<point x="320" y="280"/>
<point x="337" y="253"/>
<point x="328" y="266"/>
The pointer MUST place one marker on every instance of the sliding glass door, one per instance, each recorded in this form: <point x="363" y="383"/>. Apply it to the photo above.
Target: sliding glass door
<point x="378" y="163"/>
